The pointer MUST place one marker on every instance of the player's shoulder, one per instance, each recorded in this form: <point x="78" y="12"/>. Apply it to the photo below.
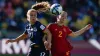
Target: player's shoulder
<point x="66" y="26"/>
<point x="38" y="23"/>
<point x="51" y="24"/>
<point x="27" y="26"/>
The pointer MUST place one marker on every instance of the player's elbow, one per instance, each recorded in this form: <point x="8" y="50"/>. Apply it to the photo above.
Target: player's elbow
<point x="73" y="35"/>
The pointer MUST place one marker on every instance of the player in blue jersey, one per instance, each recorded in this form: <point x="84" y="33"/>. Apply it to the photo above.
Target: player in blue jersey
<point x="35" y="31"/>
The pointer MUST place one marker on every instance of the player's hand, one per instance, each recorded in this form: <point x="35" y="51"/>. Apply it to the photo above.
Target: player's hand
<point x="88" y="26"/>
<point x="47" y="45"/>
<point x="8" y="41"/>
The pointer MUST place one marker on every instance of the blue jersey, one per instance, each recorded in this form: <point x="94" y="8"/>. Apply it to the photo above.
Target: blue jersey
<point x="35" y="32"/>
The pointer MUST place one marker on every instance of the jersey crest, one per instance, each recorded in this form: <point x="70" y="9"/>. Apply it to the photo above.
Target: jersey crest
<point x="64" y="29"/>
<point x="55" y="29"/>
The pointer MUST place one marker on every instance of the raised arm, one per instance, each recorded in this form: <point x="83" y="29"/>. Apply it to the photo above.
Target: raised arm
<point x="21" y="37"/>
<point x="79" y="32"/>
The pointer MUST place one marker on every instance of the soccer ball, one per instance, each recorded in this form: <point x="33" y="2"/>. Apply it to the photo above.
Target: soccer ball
<point x="56" y="9"/>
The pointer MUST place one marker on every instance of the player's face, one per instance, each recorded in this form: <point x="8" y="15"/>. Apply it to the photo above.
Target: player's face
<point x="32" y="17"/>
<point x="62" y="17"/>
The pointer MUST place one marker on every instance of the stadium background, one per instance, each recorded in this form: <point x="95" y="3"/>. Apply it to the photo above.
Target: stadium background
<point x="80" y="13"/>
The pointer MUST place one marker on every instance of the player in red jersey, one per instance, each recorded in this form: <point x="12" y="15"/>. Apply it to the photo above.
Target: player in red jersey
<point x="60" y="45"/>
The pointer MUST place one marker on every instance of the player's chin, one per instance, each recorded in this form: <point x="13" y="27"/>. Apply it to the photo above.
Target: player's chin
<point x="33" y="20"/>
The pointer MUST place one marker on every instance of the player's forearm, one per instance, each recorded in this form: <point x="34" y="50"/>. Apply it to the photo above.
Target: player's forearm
<point x="49" y="38"/>
<point x="49" y="35"/>
<point x="77" y="33"/>
<point x="21" y="37"/>
<point x="44" y="38"/>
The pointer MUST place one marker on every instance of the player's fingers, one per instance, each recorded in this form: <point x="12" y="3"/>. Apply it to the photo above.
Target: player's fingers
<point x="89" y="26"/>
<point x="48" y="47"/>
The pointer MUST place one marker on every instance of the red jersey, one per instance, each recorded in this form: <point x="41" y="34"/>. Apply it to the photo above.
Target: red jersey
<point x="59" y="42"/>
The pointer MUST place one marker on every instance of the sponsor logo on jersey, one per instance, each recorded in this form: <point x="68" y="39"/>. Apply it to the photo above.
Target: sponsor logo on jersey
<point x="34" y="29"/>
<point x="42" y="27"/>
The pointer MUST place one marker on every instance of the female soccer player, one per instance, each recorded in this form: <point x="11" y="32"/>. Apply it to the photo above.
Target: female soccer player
<point x="35" y="31"/>
<point x="60" y="45"/>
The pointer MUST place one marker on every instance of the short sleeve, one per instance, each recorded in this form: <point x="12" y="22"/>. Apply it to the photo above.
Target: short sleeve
<point x="68" y="30"/>
<point x="41" y="26"/>
<point x="49" y="26"/>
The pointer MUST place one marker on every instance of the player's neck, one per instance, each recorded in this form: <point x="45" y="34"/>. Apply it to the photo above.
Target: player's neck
<point x="60" y="24"/>
<point x="32" y="23"/>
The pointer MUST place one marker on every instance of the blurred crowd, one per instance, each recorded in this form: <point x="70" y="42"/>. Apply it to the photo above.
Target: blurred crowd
<point x="80" y="13"/>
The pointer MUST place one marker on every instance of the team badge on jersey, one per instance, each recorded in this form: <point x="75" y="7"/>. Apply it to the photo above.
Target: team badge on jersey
<point x="64" y="29"/>
<point x="55" y="29"/>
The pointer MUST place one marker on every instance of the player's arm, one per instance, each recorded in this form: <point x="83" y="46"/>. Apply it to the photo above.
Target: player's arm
<point x="79" y="32"/>
<point x="21" y="37"/>
<point x="49" y="38"/>
<point x="47" y="42"/>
